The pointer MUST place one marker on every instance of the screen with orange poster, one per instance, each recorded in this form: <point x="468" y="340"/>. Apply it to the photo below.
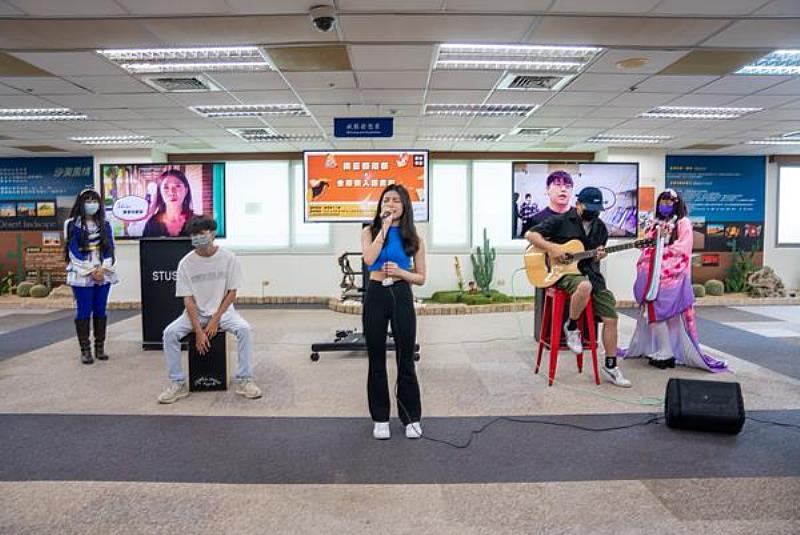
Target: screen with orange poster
<point x="345" y="186"/>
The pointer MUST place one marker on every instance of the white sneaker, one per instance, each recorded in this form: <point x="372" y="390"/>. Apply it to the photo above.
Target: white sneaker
<point x="248" y="388"/>
<point x="381" y="431"/>
<point x="414" y="430"/>
<point x="614" y="376"/>
<point x="574" y="342"/>
<point x="175" y="391"/>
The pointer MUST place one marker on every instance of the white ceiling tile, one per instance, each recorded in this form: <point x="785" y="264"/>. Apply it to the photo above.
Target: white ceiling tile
<point x="581" y="98"/>
<point x="255" y="81"/>
<point x="321" y="80"/>
<point x="70" y="63"/>
<point x="603" y="6"/>
<point x="167" y="113"/>
<point x="742" y="84"/>
<point x="273" y="7"/>
<point x="616" y="113"/>
<point x="176" y="7"/>
<point x="339" y="110"/>
<point x="464" y="79"/>
<point x="394" y="57"/>
<point x="709" y="7"/>
<point x="637" y="98"/>
<point x="295" y="122"/>
<point x="392" y="96"/>
<point x="781" y="7"/>
<point x="43" y="86"/>
<point x="86" y="101"/>
<point x="392" y="80"/>
<point x="208" y="98"/>
<point x="519" y="6"/>
<point x="791" y="104"/>
<point x="266" y="97"/>
<point x="73" y="8"/>
<point x="519" y="97"/>
<point x="579" y="132"/>
<point x="791" y="87"/>
<point x="604" y="82"/>
<point x="24" y="101"/>
<point x="563" y="111"/>
<point x="502" y="122"/>
<point x="762" y="101"/>
<point x="758" y="34"/>
<point x="657" y="60"/>
<point x="112" y="84"/>
<point x="697" y="99"/>
<point x="116" y="114"/>
<point x="435" y="28"/>
<point x="674" y="84"/>
<point x="8" y="90"/>
<point x="142" y="100"/>
<point x="435" y="96"/>
<point x="608" y="31"/>
<point x="330" y="96"/>
<point x="389" y="5"/>
<point x="443" y="120"/>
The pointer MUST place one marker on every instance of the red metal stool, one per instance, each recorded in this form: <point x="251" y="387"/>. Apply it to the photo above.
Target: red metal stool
<point x="555" y="299"/>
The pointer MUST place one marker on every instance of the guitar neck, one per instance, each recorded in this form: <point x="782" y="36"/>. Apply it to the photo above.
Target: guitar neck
<point x="613" y="249"/>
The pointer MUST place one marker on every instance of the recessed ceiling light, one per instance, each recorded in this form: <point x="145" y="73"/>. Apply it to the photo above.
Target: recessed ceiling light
<point x="632" y="63"/>
<point x="114" y="140"/>
<point x="786" y="62"/>
<point x="632" y="140"/>
<point x="690" y="112"/>
<point x="774" y="141"/>
<point x="569" y="59"/>
<point x="486" y="110"/>
<point x="262" y="134"/>
<point x="40" y="114"/>
<point x="792" y="135"/>
<point x="201" y="59"/>
<point x="459" y="137"/>
<point x="249" y="110"/>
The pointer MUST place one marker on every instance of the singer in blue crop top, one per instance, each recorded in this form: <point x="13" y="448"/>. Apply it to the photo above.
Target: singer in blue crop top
<point x="388" y="245"/>
<point x="392" y="251"/>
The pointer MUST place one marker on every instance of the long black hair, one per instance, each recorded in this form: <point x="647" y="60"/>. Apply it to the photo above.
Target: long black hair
<point x="161" y="206"/>
<point x="679" y="210"/>
<point x="78" y="216"/>
<point x="408" y="232"/>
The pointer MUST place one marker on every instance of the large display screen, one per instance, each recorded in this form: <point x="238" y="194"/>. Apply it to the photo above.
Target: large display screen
<point x="158" y="199"/>
<point x="346" y="185"/>
<point x="541" y="189"/>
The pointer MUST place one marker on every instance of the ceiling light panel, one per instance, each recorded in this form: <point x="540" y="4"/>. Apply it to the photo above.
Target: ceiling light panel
<point x="775" y="141"/>
<point x="627" y="140"/>
<point x="259" y="135"/>
<point x="780" y="62"/>
<point x="40" y="114"/>
<point x="114" y="140"/>
<point x="559" y="59"/>
<point x="457" y="137"/>
<point x="250" y="110"/>
<point x="695" y="112"/>
<point x="481" y="110"/>
<point x="189" y="60"/>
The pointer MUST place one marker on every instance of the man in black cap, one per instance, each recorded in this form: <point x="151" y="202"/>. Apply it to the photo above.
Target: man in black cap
<point x="583" y="223"/>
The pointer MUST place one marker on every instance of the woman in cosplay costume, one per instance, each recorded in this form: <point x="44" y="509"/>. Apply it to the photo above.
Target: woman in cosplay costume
<point x="666" y="331"/>
<point x="89" y="251"/>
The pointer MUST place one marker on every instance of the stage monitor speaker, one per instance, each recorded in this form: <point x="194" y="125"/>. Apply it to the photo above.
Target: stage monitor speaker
<point x="713" y="406"/>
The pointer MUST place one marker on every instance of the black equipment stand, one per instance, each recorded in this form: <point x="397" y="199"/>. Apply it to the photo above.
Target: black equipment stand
<point x="352" y="339"/>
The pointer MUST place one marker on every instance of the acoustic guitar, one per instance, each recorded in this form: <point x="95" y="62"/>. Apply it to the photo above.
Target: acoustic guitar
<point x="544" y="271"/>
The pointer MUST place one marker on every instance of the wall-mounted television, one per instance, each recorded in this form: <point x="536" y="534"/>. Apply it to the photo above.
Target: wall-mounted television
<point x="533" y="198"/>
<point x="157" y="199"/>
<point x="345" y="186"/>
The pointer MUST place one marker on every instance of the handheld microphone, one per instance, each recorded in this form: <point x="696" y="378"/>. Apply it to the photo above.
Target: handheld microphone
<point x="386" y="214"/>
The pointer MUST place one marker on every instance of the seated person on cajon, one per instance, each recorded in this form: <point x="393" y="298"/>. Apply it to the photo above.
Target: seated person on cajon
<point x="583" y="223"/>
<point x="207" y="281"/>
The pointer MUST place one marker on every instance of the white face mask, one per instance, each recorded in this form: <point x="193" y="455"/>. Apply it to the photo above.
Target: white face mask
<point x="201" y="241"/>
<point x="91" y="208"/>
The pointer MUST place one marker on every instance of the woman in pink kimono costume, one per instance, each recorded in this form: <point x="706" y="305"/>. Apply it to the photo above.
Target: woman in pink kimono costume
<point x="666" y="331"/>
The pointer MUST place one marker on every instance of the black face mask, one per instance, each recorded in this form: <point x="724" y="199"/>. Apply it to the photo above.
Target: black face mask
<point x="589" y="215"/>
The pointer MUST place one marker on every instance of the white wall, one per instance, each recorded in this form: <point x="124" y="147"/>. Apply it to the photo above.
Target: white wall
<point x="784" y="260"/>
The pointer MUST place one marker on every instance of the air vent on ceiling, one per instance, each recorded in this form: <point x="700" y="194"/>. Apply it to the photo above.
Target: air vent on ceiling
<point x="534" y="132"/>
<point x="194" y="83"/>
<point x="535" y="81"/>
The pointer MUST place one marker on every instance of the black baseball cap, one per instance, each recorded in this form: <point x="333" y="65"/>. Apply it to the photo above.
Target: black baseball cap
<point x="592" y="199"/>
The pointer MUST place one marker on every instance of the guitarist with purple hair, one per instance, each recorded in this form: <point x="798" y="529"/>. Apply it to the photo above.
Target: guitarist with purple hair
<point x="583" y="223"/>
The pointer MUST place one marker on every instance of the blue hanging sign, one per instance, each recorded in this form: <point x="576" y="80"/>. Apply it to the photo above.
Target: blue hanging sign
<point x="363" y="127"/>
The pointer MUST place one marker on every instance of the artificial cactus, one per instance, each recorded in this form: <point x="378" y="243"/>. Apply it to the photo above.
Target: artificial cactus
<point x="699" y="290"/>
<point x="714" y="287"/>
<point x="40" y="290"/>
<point x="483" y="265"/>
<point x="24" y="289"/>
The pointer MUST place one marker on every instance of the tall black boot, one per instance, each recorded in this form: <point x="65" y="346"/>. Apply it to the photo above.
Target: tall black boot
<point x="82" y="330"/>
<point x="99" y="325"/>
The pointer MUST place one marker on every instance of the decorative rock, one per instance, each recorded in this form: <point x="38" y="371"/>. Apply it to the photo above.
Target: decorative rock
<point x="765" y="283"/>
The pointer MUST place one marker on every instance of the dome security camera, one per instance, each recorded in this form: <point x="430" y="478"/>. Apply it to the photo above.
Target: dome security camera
<point x="323" y="18"/>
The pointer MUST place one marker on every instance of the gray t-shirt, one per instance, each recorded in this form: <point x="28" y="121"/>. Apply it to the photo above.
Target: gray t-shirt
<point x="208" y="279"/>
